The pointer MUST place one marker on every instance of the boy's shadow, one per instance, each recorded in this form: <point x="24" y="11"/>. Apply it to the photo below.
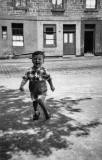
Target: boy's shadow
<point x="19" y="133"/>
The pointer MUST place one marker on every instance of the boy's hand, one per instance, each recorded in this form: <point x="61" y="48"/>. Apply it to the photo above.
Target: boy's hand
<point x="21" y="89"/>
<point x="52" y="88"/>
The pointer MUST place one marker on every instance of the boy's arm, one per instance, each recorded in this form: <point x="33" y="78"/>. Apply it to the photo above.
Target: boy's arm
<point x="49" y="79"/>
<point x="51" y="84"/>
<point x="23" y="82"/>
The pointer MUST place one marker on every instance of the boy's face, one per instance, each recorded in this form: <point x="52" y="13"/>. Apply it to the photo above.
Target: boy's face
<point x="38" y="60"/>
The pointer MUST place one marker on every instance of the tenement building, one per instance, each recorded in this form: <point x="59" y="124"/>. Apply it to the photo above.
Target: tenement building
<point x="58" y="27"/>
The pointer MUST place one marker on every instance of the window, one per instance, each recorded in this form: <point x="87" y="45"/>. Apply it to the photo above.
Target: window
<point x="68" y="38"/>
<point x="17" y="34"/>
<point x="90" y="4"/>
<point x="49" y="35"/>
<point x="20" y="3"/>
<point x="4" y="32"/>
<point x="58" y="5"/>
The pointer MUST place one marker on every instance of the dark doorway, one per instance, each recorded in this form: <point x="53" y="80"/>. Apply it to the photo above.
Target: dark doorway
<point x="89" y="40"/>
<point x="89" y="45"/>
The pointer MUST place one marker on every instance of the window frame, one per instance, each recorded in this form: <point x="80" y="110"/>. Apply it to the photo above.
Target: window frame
<point x="92" y="9"/>
<point x="18" y="34"/>
<point x="20" y="7"/>
<point x="4" y="36"/>
<point x="55" y="7"/>
<point x="45" y="26"/>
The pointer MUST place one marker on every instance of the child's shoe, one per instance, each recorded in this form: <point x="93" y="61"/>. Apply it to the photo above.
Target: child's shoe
<point x="48" y="117"/>
<point x="36" y="115"/>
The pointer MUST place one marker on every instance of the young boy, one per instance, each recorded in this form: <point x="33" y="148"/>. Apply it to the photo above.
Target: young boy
<point x="37" y="76"/>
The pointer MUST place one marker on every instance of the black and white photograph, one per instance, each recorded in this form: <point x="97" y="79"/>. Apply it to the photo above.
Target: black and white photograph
<point x="50" y="79"/>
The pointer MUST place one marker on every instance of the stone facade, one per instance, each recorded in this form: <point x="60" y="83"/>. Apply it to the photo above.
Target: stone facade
<point x="38" y="13"/>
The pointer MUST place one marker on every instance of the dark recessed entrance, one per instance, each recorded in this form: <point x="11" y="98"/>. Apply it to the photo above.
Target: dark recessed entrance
<point x="89" y="39"/>
<point x="88" y="42"/>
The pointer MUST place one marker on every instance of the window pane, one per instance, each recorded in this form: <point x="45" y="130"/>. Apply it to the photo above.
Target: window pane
<point x="21" y="38"/>
<point x="4" y="28"/>
<point x="17" y="3"/>
<point x="65" y="38"/>
<point x="4" y="37"/>
<point x="59" y="2"/>
<point x="23" y="3"/>
<point x="49" y="42"/>
<point x="93" y="3"/>
<point x="14" y="38"/>
<point x="70" y="37"/>
<point x="4" y="33"/>
<point x="90" y="3"/>
<point x="48" y="36"/>
<point x="49" y="30"/>
<point x="17" y="38"/>
<point x="17" y="43"/>
<point x="54" y="2"/>
<point x="13" y="31"/>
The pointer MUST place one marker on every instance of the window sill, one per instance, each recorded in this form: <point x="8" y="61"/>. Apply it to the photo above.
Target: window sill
<point x="18" y="46"/>
<point x="21" y="8"/>
<point x="50" y="46"/>
<point x="91" y="10"/>
<point x="58" y="10"/>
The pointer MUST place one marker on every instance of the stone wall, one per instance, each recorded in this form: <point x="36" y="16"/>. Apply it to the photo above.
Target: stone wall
<point x="73" y="8"/>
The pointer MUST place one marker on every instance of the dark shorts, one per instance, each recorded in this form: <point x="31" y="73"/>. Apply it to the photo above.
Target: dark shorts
<point x="37" y="87"/>
<point x="40" y="96"/>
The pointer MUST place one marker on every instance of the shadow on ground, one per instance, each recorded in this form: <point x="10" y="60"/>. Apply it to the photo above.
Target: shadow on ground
<point x="19" y="133"/>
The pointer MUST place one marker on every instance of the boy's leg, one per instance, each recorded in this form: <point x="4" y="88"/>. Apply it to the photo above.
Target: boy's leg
<point x="36" y="113"/>
<point x="35" y="104"/>
<point x="41" y="101"/>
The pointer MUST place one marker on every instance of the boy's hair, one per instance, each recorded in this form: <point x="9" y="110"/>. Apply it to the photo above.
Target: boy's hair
<point x="38" y="53"/>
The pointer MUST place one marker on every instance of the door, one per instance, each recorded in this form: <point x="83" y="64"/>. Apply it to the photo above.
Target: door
<point x="89" y="42"/>
<point x="89" y="38"/>
<point x="69" y="43"/>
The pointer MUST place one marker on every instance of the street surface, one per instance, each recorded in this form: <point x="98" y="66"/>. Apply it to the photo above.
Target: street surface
<point x="74" y="131"/>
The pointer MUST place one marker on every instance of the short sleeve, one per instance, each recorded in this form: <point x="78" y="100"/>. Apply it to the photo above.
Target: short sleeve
<point x="46" y="74"/>
<point x="26" y="75"/>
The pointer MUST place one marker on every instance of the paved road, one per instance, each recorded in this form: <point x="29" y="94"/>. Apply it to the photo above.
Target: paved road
<point x="75" y="129"/>
<point x="16" y="66"/>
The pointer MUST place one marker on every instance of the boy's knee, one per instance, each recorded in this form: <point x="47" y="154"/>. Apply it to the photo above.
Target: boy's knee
<point x="41" y="98"/>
